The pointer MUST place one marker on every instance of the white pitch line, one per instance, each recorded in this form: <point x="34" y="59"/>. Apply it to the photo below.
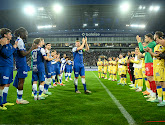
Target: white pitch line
<point x="129" y="118"/>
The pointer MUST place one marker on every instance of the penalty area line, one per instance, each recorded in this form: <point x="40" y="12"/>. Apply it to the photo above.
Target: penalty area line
<point x="128" y="117"/>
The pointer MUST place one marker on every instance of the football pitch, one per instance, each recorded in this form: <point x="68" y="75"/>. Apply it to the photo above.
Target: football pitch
<point x="64" y="106"/>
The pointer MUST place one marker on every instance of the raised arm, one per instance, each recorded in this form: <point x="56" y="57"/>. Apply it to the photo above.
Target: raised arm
<point x="82" y="46"/>
<point x="138" y="38"/>
<point x="86" y="44"/>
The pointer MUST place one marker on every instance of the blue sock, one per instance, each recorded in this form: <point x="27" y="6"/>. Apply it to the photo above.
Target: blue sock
<point x="54" y="81"/>
<point x="35" y="93"/>
<point x="85" y="87"/>
<point x="19" y="96"/>
<point x="1" y="92"/>
<point x="0" y="100"/>
<point x="60" y="80"/>
<point x="41" y="88"/>
<point x="47" y="86"/>
<point x="4" y="97"/>
<point x="76" y="88"/>
<point x="40" y="92"/>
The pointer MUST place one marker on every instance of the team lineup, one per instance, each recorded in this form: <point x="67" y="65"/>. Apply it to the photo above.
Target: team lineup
<point x="146" y="62"/>
<point x="46" y="66"/>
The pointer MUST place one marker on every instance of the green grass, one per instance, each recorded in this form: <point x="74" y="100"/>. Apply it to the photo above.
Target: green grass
<point x="64" y="106"/>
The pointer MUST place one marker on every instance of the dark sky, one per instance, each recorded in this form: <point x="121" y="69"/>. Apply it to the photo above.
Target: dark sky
<point x="12" y="4"/>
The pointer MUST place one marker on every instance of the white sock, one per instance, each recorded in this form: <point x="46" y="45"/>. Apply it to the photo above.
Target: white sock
<point x="20" y="92"/>
<point x="76" y="81"/>
<point x="160" y="98"/>
<point x="34" y="89"/>
<point x="147" y="89"/>
<point x="83" y="80"/>
<point x="140" y="88"/>
<point x="6" y="89"/>
<point x="151" y="92"/>
<point x="154" y="95"/>
<point x="53" y="78"/>
<point x="41" y="87"/>
<point x="60" y="79"/>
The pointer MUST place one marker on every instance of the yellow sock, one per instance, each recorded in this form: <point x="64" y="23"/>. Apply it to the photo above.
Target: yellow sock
<point x="125" y="80"/>
<point x="105" y="75"/>
<point x="99" y="74"/>
<point x="140" y="82"/>
<point x="102" y="74"/>
<point x="147" y="83"/>
<point x="136" y="81"/>
<point x="114" y="77"/>
<point x="111" y="76"/>
<point x="159" y="91"/>
<point x="122" y="80"/>
<point x="163" y="94"/>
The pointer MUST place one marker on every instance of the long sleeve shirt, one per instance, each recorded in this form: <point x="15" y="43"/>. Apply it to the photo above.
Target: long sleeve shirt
<point x="148" y="57"/>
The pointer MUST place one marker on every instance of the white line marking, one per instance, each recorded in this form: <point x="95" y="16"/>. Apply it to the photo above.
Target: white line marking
<point x="129" y="118"/>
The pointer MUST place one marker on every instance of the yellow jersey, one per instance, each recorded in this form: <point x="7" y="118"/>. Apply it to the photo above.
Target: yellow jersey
<point x="124" y="61"/>
<point x="110" y="65"/>
<point x="156" y="62"/>
<point x="106" y="64"/>
<point x="100" y="64"/>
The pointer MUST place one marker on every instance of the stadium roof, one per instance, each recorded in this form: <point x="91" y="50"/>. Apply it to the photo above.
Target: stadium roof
<point x="83" y="14"/>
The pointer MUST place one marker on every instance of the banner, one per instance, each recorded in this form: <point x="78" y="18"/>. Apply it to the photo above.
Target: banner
<point x="83" y="34"/>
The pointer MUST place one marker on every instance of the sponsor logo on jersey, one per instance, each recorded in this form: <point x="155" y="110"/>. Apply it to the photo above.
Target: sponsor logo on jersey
<point x="24" y="72"/>
<point x="5" y="77"/>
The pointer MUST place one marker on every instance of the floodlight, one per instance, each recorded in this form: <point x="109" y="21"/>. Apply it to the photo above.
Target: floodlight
<point x="29" y="10"/>
<point x="138" y="26"/>
<point x="140" y="7"/>
<point x="151" y="8"/>
<point x="84" y="25"/>
<point x="96" y="24"/>
<point x="46" y="26"/>
<point x="57" y="8"/>
<point x="125" y="7"/>
<point x="156" y="8"/>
